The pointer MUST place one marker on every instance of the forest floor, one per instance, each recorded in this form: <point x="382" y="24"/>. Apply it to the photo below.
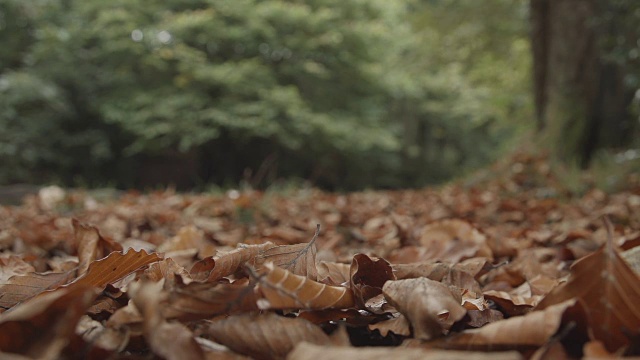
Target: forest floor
<point x="508" y="265"/>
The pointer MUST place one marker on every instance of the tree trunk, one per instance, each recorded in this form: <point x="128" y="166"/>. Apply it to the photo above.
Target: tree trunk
<point x="581" y="101"/>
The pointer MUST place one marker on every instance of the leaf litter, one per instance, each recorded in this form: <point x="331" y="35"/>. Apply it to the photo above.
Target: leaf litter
<point x="511" y="266"/>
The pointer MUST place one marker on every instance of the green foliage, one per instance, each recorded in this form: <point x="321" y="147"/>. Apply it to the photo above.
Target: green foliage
<point x="344" y="93"/>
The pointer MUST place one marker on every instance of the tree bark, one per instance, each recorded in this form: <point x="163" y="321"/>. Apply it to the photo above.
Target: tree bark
<point x="581" y="101"/>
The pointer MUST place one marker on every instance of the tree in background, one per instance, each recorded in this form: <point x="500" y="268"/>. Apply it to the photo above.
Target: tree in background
<point x="348" y="94"/>
<point x="585" y="70"/>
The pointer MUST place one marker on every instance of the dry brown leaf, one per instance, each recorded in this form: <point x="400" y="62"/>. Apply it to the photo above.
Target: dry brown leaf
<point x="300" y="259"/>
<point x="333" y="273"/>
<point x="265" y="336"/>
<point x="284" y="290"/>
<point x="306" y="351"/>
<point x="199" y="300"/>
<point x="11" y="265"/>
<point x="215" y="268"/>
<point x="325" y="316"/>
<point x="397" y="325"/>
<point x="610" y="290"/>
<point x="367" y="276"/>
<point x="284" y="234"/>
<point x="479" y="318"/>
<point x="431" y="270"/>
<point x="96" y="334"/>
<point x="114" y="267"/>
<point x="189" y="237"/>
<point x="167" y="269"/>
<point x="22" y="287"/>
<point x="453" y="240"/>
<point x="430" y="306"/>
<point x="531" y="330"/>
<point x="91" y="245"/>
<point x="41" y="328"/>
<point x="169" y="340"/>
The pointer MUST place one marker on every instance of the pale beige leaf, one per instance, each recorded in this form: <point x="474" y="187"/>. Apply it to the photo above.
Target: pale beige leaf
<point x="265" y="336"/>
<point x="11" y="265"/>
<point x="306" y="351"/>
<point x="300" y="259"/>
<point x="430" y="306"/>
<point x="285" y="290"/>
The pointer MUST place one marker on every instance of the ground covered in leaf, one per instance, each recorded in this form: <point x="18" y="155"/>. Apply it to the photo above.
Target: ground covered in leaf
<point x="507" y="267"/>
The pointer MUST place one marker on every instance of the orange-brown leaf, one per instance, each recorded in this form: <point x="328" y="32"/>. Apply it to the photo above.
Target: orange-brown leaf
<point x="115" y="267"/>
<point x="91" y="245"/>
<point x="610" y="290"/>
<point x="284" y="290"/>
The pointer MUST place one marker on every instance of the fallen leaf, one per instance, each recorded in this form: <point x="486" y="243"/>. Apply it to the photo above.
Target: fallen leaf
<point x="23" y="287"/>
<point x="264" y="336"/>
<point x="333" y="273"/>
<point x="306" y="351"/>
<point x="169" y="340"/>
<point x="91" y="245"/>
<point x="300" y="259"/>
<point x="519" y="332"/>
<point x="41" y="327"/>
<point x="609" y="289"/>
<point x="198" y="300"/>
<point x="215" y="268"/>
<point x="453" y="240"/>
<point x="397" y="325"/>
<point x="429" y="305"/>
<point x="284" y="290"/>
<point x="114" y="267"/>
<point x="367" y="276"/>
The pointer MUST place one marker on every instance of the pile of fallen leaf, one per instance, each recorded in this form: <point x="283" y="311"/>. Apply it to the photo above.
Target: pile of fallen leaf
<point x="504" y="268"/>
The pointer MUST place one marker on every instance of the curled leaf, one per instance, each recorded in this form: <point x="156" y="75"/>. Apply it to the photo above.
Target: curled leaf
<point x="367" y="276"/>
<point x="284" y="290"/>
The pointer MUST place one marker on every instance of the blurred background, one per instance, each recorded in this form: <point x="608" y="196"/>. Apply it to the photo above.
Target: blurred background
<point x="342" y="94"/>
